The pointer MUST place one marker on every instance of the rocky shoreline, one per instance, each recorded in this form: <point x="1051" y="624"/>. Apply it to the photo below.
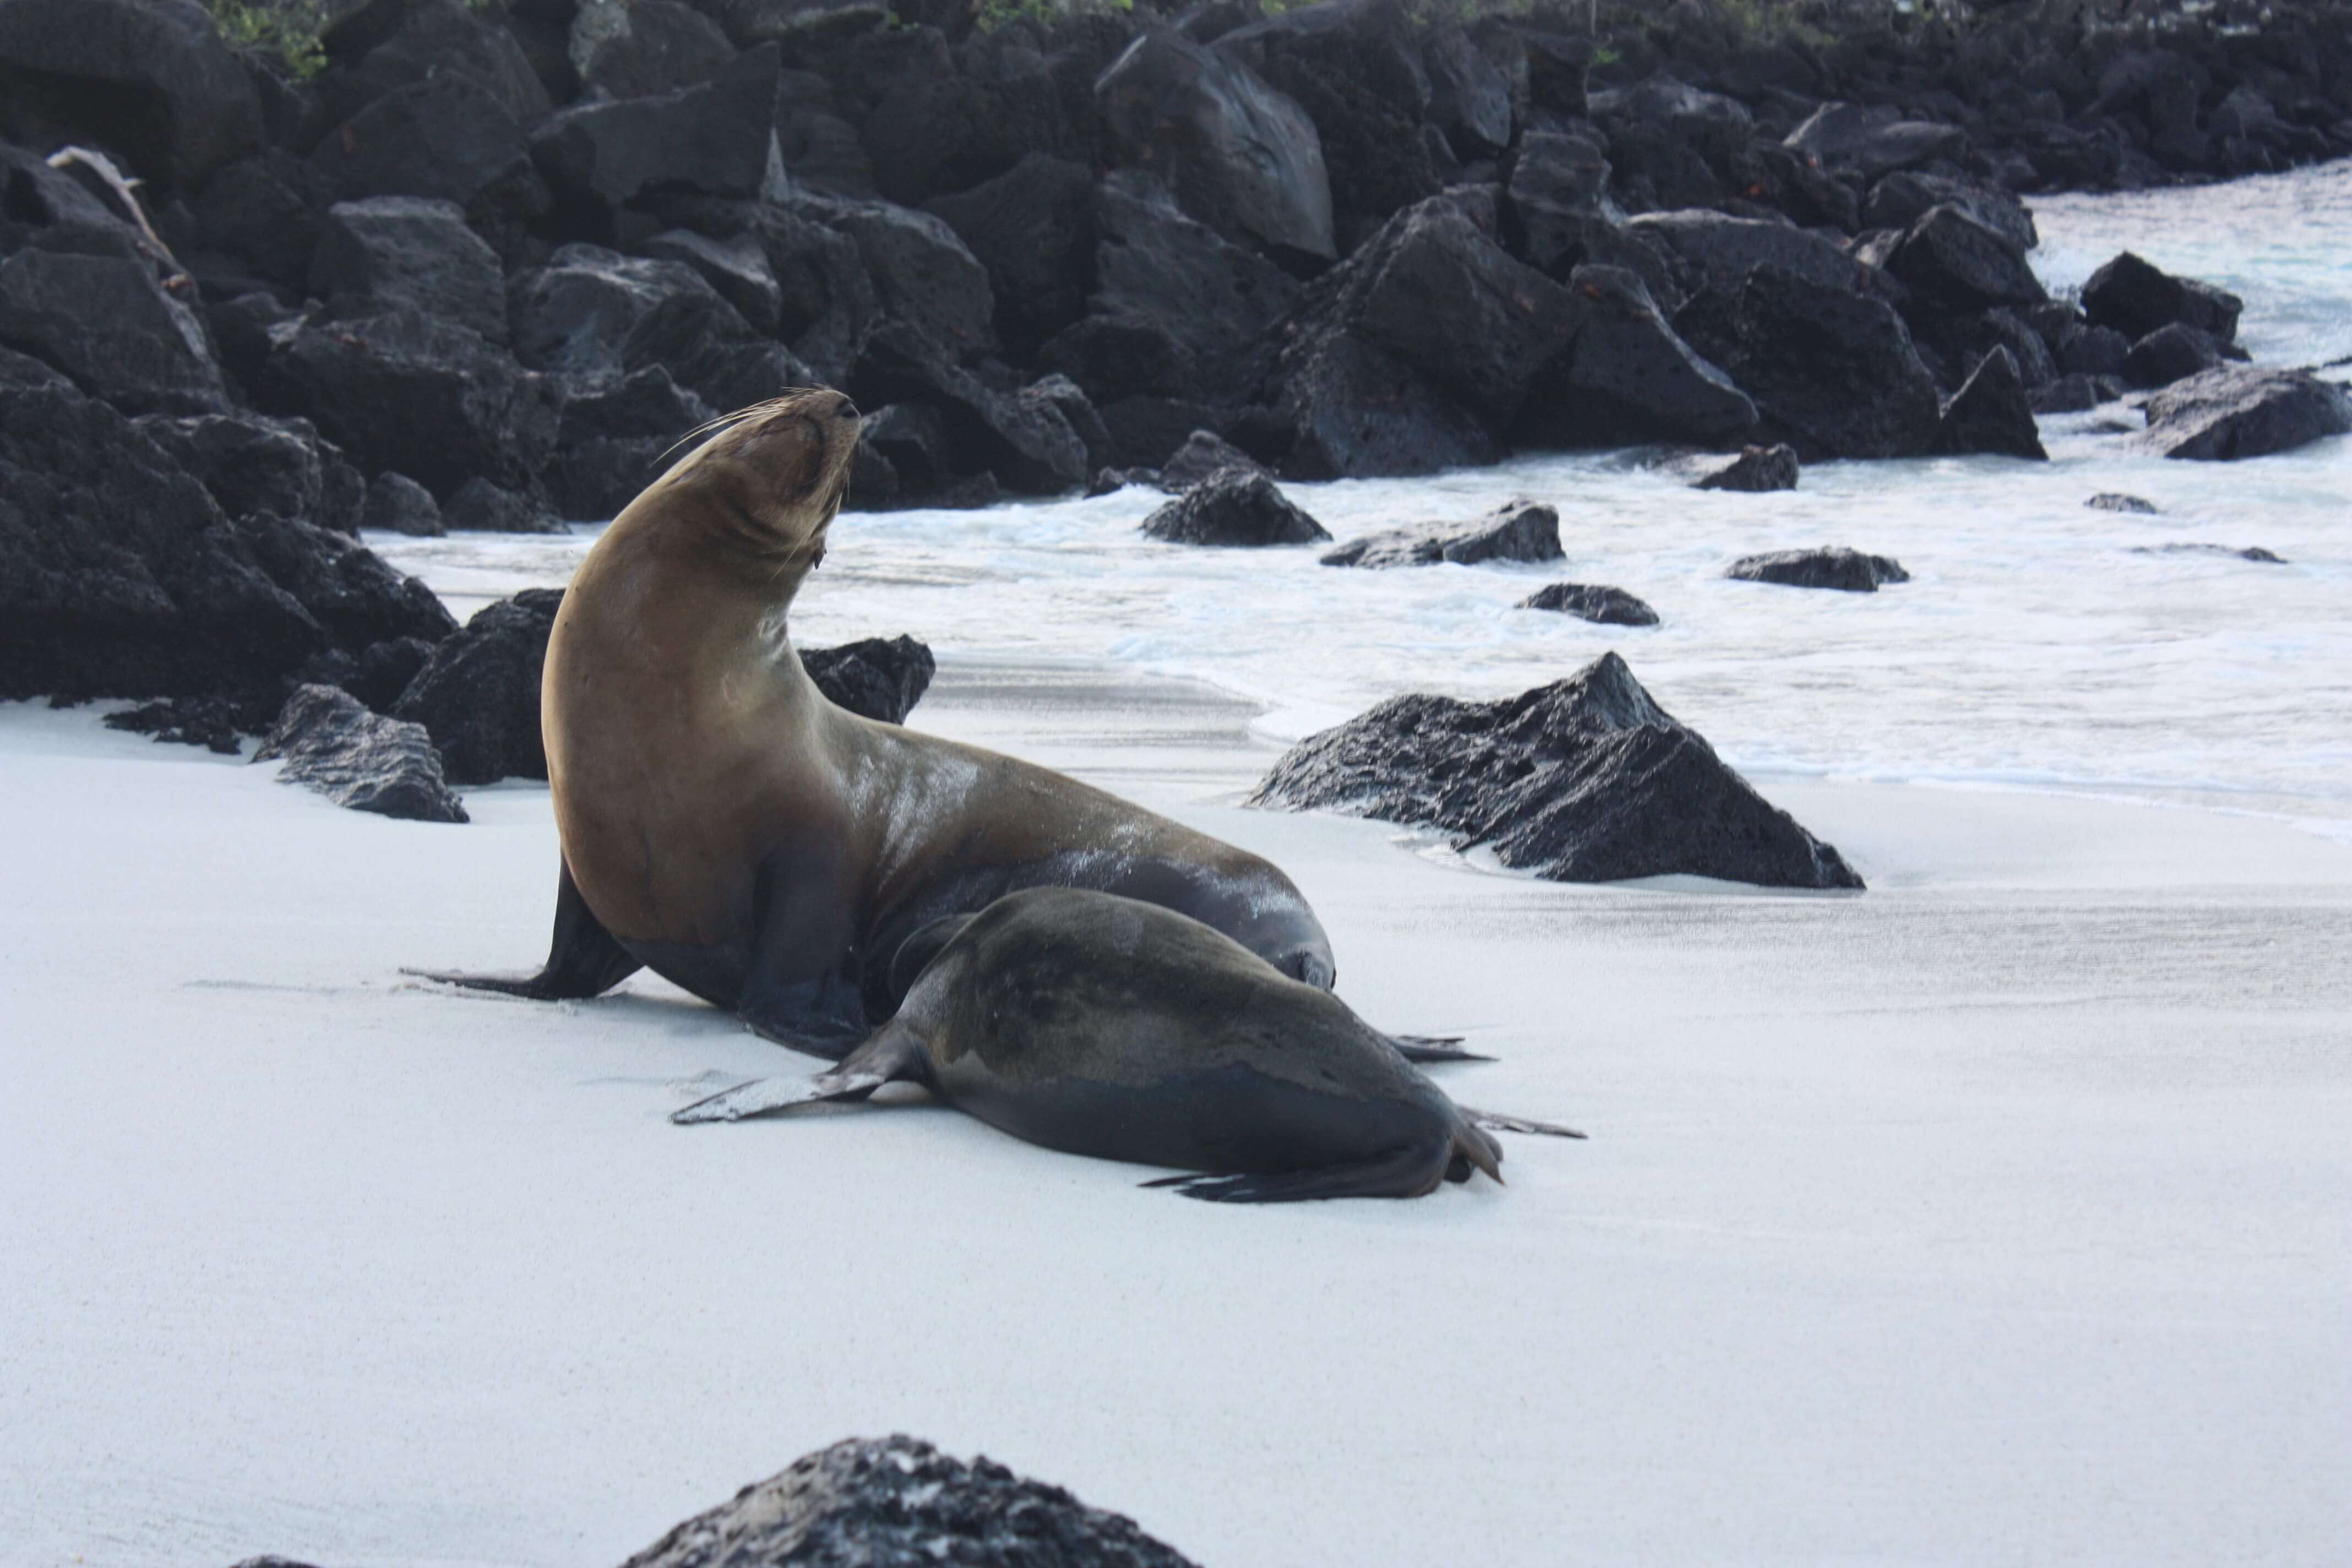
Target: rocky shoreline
<point x="486" y="263"/>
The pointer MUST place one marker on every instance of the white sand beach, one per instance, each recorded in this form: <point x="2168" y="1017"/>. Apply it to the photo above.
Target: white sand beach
<point x="1993" y="1216"/>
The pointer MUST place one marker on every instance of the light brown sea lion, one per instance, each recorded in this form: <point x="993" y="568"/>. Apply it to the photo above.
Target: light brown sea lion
<point x="1097" y="1024"/>
<point x="727" y="826"/>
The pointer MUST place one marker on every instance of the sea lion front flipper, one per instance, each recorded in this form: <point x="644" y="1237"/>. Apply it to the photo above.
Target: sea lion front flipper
<point x="584" y="959"/>
<point x="1405" y="1173"/>
<point x="1502" y="1123"/>
<point x="1434" y="1048"/>
<point x="893" y="1051"/>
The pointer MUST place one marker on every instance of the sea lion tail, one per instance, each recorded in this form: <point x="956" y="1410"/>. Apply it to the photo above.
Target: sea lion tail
<point x="892" y="1052"/>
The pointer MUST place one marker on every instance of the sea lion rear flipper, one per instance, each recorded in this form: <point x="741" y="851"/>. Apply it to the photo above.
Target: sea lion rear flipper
<point x="1405" y="1173"/>
<point x="1502" y="1123"/>
<point x="892" y="1052"/>
<point x="583" y="958"/>
<point x="1434" y="1048"/>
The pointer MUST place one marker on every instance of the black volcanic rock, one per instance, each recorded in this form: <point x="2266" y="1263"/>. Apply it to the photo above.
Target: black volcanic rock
<point x="1627" y="377"/>
<point x="1234" y="507"/>
<point x="151" y="80"/>
<point x="1594" y="602"/>
<point x="1203" y="453"/>
<point x="392" y="253"/>
<point x="2239" y="411"/>
<point x="1756" y="468"/>
<point x="1586" y="780"/>
<point x="477" y="506"/>
<point x="1848" y="571"/>
<point x="445" y="137"/>
<point x="899" y="1501"/>
<point x="120" y="574"/>
<point x="1521" y="530"/>
<point x="736" y="266"/>
<point x="2243" y="553"/>
<point x="2135" y="297"/>
<point x="2115" y="500"/>
<point x="477" y="696"/>
<point x="2174" y="354"/>
<point x="711" y="137"/>
<point x="1900" y="199"/>
<point x="110" y="325"/>
<point x="1957" y="263"/>
<point x="398" y="504"/>
<point x="1991" y="413"/>
<point x="251" y="463"/>
<point x="876" y="678"/>
<point x="1242" y="157"/>
<point x="1848" y="139"/>
<point x="1833" y="372"/>
<point x="421" y="397"/>
<point x="362" y="760"/>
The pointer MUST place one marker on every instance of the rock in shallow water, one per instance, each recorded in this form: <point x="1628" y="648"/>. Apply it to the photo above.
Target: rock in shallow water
<point x="1234" y="507"/>
<point x="358" y="759"/>
<point x="1520" y="531"/>
<point x="2249" y="552"/>
<point x="2115" y="500"/>
<point x="2239" y="411"/>
<point x="1586" y="780"/>
<point x="1849" y="571"/>
<point x="1594" y="602"/>
<point x="898" y="1500"/>
<point x="1756" y="468"/>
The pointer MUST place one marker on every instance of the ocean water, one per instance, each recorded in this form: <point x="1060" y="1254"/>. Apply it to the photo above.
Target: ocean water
<point x="2040" y="644"/>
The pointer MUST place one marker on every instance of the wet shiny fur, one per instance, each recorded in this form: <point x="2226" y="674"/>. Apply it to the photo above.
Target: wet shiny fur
<point x="1101" y="1025"/>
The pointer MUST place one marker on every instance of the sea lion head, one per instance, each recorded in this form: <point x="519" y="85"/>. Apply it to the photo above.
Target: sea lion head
<point x="770" y="480"/>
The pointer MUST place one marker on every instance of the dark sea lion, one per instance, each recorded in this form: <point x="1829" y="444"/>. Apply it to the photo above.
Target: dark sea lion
<point x="727" y="826"/>
<point x="1100" y="1026"/>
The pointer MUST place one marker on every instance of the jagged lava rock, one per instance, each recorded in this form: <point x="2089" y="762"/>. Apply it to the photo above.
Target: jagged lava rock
<point x="2135" y="298"/>
<point x="876" y="678"/>
<point x="1594" y="602"/>
<point x="1756" y="469"/>
<point x="2174" y="354"/>
<point x="1586" y="780"/>
<point x="2237" y="411"/>
<point x="1205" y="453"/>
<point x="2115" y="500"/>
<point x="392" y="253"/>
<point x="1521" y="530"/>
<point x="359" y="760"/>
<point x="1848" y="571"/>
<point x="1234" y="507"/>
<point x="398" y="504"/>
<point x="1991" y="413"/>
<point x="108" y="323"/>
<point x="477" y="696"/>
<point x="898" y="1500"/>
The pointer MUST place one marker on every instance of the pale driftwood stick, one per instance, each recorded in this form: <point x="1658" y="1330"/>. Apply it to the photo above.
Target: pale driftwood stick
<point x="124" y="189"/>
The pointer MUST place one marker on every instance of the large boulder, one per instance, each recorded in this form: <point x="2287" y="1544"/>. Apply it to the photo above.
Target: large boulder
<point x="252" y="463"/>
<point x="327" y="740"/>
<point x="1234" y="507"/>
<point x="713" y="138"/>
<point x="897" y="1500"/>
<point x="150" y="78"/>
<point x="398" y="504"/>
<point x="1024" y="437"/>
<point x="390" y="253"/>
<point x="2135" y="297"/>
<point x="1991" y="413"/>
<point x="1176" y="307"/>
<point x="120" y="574"/>
<point x="1033" y="228"/>
<point x="1360" y="411"/>
<point x="1902" y="198"/>
<point x="1558" y="216"/>
<point x="1240" y="157"/>
<point x="923" y="275"/>
<point x="1845" y="138"/>
<point x="1469" y="99"/>
<point x="1628" y="377"/>
<point x="477" y="696"/>
<point x="1833" y="372"/>
<point x="1721" y="250"/>
<point x="1956" y="263"/>
<point x="264" y="211"/>
<point x="110" y="325"/>
<point x="1832" y="566"/>
<point x="1674" y="145"/>
<point x="879" y="678"/>
<point x="737" y="268"/>
<point x="430" y="38"/>
<point x="418" y="395"/>
<point x="592" y="316"/>
<point x="1203" y="453"/>
<point x="1586" y="780"/>
<point x="2174" y="353"/>
<point x="480" y="506"/>
<point x="446" y="137"/>
<point x="1594" y="602"/>
<point x="1520" y="531"/>
<point x="629" y="48"/>
<point x="2240" y="411"/>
